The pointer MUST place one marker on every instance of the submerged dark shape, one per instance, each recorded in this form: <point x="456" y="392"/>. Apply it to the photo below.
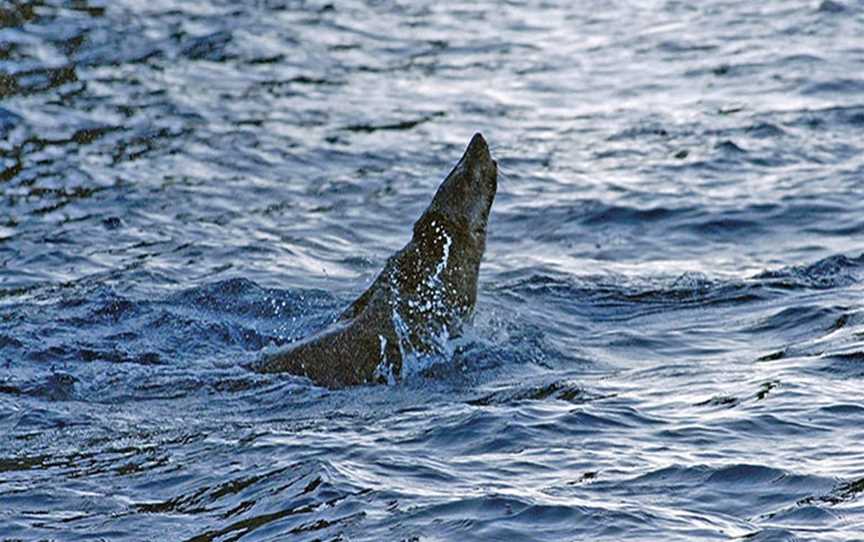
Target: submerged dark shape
<point x="423" y="296"/>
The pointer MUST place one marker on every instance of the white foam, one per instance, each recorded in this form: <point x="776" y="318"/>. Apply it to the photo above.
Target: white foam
<point x="384" y="369"/>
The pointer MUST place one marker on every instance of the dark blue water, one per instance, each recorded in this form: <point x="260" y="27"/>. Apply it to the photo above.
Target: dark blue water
<point x="669" y="339"/>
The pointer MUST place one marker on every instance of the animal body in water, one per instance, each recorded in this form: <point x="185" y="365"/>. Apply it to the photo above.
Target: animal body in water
<point x="423" y="296"/>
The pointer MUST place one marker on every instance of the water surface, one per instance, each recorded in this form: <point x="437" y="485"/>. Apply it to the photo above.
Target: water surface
<point x="669" y="339"/>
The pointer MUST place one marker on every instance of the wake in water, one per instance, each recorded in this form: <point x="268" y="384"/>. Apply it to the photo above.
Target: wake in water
<point x="219" y="327"/>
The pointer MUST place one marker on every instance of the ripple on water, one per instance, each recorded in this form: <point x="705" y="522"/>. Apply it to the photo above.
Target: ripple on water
<point x="668" y="339"/>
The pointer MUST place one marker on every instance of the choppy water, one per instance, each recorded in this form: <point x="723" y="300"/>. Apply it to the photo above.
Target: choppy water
<point x="669" y="340"/>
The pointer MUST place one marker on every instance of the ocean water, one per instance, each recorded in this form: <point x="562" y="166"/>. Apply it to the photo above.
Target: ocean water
<point x="669" y="339"/>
